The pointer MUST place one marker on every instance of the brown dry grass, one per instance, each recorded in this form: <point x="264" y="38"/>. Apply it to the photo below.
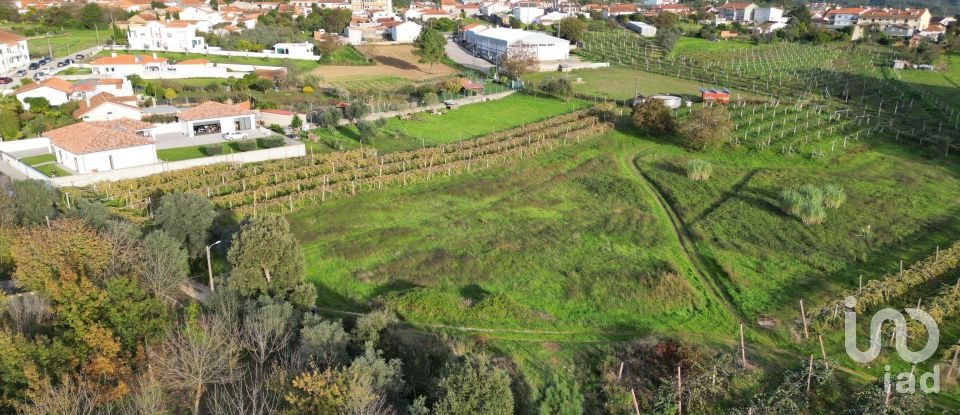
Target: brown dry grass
<point x="391" y="61"/>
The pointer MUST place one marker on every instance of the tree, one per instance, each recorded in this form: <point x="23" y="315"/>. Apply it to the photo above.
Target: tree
<point x="164" y="265"/>
<point x="169" y="93"/>
<point x="197" y="354"/>
<point x="572" y="29"/>
<point x="653" y="117"/>
<point x="666" y="38"/>
<point x="357" y="110"/>
<point x="296" y="122"/>
<point x="431" y="45"/>
<point x="561" y="397"/>
<point x="38" y="105"/>
<point x="94" y="213"/>
<point x="90" y="15"/>
<point x="186" y="217"/>
<point x="323" y="342"/>
<point x="519" y="59"/>
<point x="474" y="386"/>
<point x="368" y="130"/>
<point x="335" y="20"/>
<point x="265" y="259"/>
<point x="34" y="201"/>
<point x="214" y="5"/>
<point x="558" y="87"/>
<point x="706" y="128"/>
<point x="330" y="117"/>
<point x="266" y="330"/>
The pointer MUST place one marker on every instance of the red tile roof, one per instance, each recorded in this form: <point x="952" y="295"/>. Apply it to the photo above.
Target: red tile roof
<point x="53" y="82"/>
<point x="212" y="109"/>
<point x="736" y="6"/>
<point x="127" y="60"/>
<point x="93" y="137"/>
<point x="100" y="99"/>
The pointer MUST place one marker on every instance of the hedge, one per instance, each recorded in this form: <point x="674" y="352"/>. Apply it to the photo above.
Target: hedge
<point x="213" y="149"/>
<point x="247" y="145"/>
<point x="271" y="142"/>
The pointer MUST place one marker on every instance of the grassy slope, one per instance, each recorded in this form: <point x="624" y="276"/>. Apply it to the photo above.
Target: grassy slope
<point x="465" y="122"/>
<point x="622" y="83"/>
<point x="690" y="45"/>
<point x="945" y="85"/>
<point x="345" y="55"/>
<point x="568" y="240"/>
<point x="70" y="42"/>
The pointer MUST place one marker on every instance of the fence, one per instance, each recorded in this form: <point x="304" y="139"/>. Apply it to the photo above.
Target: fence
<point x="289" y="151"/>
<point x="270" y="55"/>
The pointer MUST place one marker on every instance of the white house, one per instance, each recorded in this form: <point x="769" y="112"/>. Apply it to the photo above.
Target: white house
<point x="174" y="36"/>
<point x="493" y="8"/>
<point x="201" y="14"/>
<point x="89" y="147"/>
<point x="767" y="14"/>
<point x="651" y="3"/>
<point x="106" y="107"/>
<point x="87" y="88"/>
<point x="615" y="10"/>
<point x="845" y="16"/>
<point x="644" y="29"/>
<point x="551" y="18"/>
<point x="212" y="117"/>
<point x="934" y="31"/>
<point x="57" y="91"/>
<point x="405" y="32"/>
<point x="491" y="44"/>
<point x="123" y="65"/>
<point x="13" y="52"/>
<point x="736" y="12"/>
<point x="527" y="13"/>
<point x="293" y="50"/>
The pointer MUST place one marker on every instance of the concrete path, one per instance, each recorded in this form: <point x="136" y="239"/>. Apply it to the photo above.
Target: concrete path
<point x="461" y="55"/>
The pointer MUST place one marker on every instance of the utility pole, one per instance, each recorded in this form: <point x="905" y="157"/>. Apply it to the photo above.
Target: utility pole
<point x="209" y="265"/>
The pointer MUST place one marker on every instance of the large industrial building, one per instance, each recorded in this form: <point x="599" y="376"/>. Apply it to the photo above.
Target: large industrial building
<point x="491" y="44"/>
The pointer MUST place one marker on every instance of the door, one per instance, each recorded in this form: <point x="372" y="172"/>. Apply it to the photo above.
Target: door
<point x="111" y="162"/>
<point x="243" y="123"/>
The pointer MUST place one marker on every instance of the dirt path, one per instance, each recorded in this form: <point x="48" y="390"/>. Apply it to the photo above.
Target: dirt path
<point x="685" y="238"/>
<point x="399" y="61"/>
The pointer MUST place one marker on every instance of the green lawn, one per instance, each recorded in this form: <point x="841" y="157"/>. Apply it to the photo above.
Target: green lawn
<point x="302" y="65"/>
<point x="75" y="71"/>
<point x="52" y="170"/>
<point x="623" y="83"/>
<point x="691" y="45"/>
<point x="195" y="152"/>
<point x="462" y="123"/>
<point x="34" y="160"/>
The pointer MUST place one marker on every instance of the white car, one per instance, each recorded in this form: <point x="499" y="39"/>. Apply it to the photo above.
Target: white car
<point x="234" y="136"/>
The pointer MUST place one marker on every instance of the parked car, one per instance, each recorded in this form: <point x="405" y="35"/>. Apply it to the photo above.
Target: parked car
<point x="79" y="56"/>
<point x="5" y="80"/>
<point x="38" y="76"/>
<point x="234" y="136"/>
<point x="34" y="65"/>
<point x="65" y="62"/>
<point x="21" y="72"/>
<point x="45" y="60"/>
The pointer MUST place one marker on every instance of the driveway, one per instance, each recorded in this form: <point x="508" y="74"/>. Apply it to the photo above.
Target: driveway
<point x="174" y="140"/>
<point x="52" y="66"/>
<point x="461" y="55"/>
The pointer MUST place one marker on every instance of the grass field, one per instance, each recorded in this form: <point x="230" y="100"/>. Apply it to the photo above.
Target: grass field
<point x="465" y="122"/>
<point x="302" y="65"/>
<point x="623" y="83"/>
<point x="944" y="85"/>
<point x="66" y="44"/>
<point x="690" y="45"/>
<point x="345" y="55"/>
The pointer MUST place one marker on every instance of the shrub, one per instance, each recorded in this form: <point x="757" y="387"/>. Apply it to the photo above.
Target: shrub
<point x="833" y="196"/>
<point x="275" y="128"/>
<point x="213" y="149"/>
<point x="812" y="213"/>
<point x="699" y="169"/>
<point x="811" y="193"/>
<point x="654" y="118"/>
<point x="247" y="145"/>
<point x="790" y="201"/>
<point x="430" y="98"/>
<point x="271" y="142"/>
<point x="706" y="128"/>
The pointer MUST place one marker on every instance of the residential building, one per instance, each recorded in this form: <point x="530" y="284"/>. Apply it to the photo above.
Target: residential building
<point x="405" y="32"/>
<point x="294" y="50"/>
<point x="845" y="16"/>
<point x="362" y="5"/>
<point x="615" y="10"/>
<point x="527" y="12"/>
<point x="679" y="9"/>
<point x="644" y="29"/>
<point x="89" y="147"/>
<point x="13" y="52"/>
<point x="652" y="3"/>
<point x="898" y="30"/>
<point x="551" y="18"/>
<point x="106" y="107"/>
<point x="768" y="14"/>
<point x="87" y="88"/>
<point x="123" y="65"/>
<point x="56" y="91"/>
<point x="212" y="117"/>
<point x="934" y="31"/>
<point x="173" y="36"/>
<point x="736" y="12"/>
<point x="915" y="19"/>
<point x="491" y="44"/>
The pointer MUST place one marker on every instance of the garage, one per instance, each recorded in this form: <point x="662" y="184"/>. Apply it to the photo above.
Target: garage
<point x="208" y="127"/>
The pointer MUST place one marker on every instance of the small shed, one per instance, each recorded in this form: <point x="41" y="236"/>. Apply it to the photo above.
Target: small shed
<point x="670" y="101"/>
<point x="721" y="96"/>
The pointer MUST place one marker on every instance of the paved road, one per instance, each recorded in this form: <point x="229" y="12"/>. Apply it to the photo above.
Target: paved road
<point x="462" y="56"/>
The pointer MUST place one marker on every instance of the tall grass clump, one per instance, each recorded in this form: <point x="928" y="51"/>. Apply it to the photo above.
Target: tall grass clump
<point x="808" y="202"/>
<point x="833" y="196"/>
<point x="699" y="169"/>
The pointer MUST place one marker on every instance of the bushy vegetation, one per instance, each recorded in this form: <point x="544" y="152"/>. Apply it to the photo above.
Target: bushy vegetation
<point x="654" y="118"/>
<point x="271" y="142"/>
<point x="247" y="145"/>
<point x="808" y="203"/>
<point x="699" y="169"/>
<point x="213" y="149"/>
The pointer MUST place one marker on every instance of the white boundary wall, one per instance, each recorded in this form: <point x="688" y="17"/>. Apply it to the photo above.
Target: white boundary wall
<point x="234" y="53"/>
<point x="288" y="151"/>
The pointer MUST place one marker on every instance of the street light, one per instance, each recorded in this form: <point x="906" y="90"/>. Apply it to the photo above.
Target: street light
<point x="209" y="266"/>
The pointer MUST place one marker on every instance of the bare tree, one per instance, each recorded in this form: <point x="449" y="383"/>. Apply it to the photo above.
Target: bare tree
<point x="251" y="394"/>
<point x="124" y="237"/>
<point x="27" y="312"/>
<point x="147" y="399"/>
<point x="519" y="59"/>
<point x="164" y="265"/>
<point x="195" y="355"/>
<point x="70" y="397"/>
<point x="266" y="330"/>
